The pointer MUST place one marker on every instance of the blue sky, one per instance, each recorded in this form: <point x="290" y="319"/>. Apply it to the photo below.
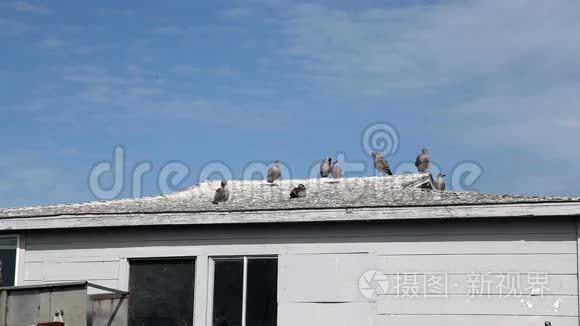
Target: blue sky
<point x="494" y="82"/>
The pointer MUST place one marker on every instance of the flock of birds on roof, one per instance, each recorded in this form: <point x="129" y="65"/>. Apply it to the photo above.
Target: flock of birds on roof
<point x="330" y="168"/>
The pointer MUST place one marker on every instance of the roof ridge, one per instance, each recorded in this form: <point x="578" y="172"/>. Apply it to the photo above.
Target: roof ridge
<point x="250" y="195"/>
<point x="207" y="183"/>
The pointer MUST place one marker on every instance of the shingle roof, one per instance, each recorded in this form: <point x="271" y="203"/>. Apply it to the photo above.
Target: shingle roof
<point x="388" y="191"/>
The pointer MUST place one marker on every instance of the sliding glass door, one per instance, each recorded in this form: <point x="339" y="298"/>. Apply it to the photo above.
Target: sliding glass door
<point x="244" y="291"/>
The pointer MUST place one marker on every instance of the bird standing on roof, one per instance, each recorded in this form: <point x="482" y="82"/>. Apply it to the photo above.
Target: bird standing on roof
<point x="335" y="170"/>
<point x="221" y="194"/>
<point x="422" y="162"/>
<point x="325" y="167"/>
<point x="381" y="164"/>
<point x="298" y="192"/>
<point x="274" y="172"/>
<point x="440" y="182"/>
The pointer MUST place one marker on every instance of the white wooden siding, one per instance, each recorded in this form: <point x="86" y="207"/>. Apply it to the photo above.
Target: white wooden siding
<point x="453" y="305"/>
<point x="343" y="314"/>
<point x="334" y="278"/>
<point x="58" y="272"/>
<point x="472" y="320"/>
<point x="320" y="265"/>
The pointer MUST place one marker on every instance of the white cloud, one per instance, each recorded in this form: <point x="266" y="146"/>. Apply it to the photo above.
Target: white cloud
<point x="138" y="95"/>
<point x="514" y="58"/>
<point x="424" y="48"/>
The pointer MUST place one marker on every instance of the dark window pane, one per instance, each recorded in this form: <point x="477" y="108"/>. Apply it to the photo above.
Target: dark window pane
<point x="7" y="267"/>
<point x="228" y="290"/>
<point x="262" y="292"/>
<point x="7" y="261"/>
<point x="161" y="292"/>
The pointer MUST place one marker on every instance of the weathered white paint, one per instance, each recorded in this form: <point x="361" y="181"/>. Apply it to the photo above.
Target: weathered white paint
<point x="293" y="216"/>
<point x="123" y="279"/>
<point x="343" y="314"/>
<point x="201" y="290"/>
<point x="59" y="272"/>
<point x="544" y="263"/>
<point x="102" y="311"/>
<point x="472" y="320"/>
<point x="453" y="305"/>
<point x="395" y="245"/>
<point x="20" y="252"/>
<point x="320" y="264"/>
<point x="112" y="284"/>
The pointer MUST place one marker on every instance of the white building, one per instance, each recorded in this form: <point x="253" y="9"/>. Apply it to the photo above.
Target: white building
<point x="360" y="251"/>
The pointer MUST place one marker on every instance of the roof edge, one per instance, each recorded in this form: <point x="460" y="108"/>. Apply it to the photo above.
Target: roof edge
<point x="528" y="210"/>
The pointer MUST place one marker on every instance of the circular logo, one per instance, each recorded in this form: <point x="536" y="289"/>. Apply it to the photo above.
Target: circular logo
<point x="373" y="284"/>
<point x="381" y="137"/>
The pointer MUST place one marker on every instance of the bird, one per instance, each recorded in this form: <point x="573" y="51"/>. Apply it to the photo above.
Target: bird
<point x="298" y="192"/>
<point x="221" y="194"/>
<point x="335" y="170"/>
<point x="325" y="167"/>
<point x="547" y="323"/>
<point x="381" y="164"/>
<point x="422" y="162"/>
<point x="440" y="182"/>
<point x="58" y="316"/>
<point x="274" y="172"/>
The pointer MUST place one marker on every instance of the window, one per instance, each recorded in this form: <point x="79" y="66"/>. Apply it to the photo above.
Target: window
<point x="8" y="260"/>
<point x="245" y="291"/>
<point x="161" y="292"/>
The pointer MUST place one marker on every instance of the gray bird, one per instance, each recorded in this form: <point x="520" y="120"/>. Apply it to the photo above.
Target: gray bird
<point x="335" y="170"/>
<point x="381" y="164"/>
<point x="298" y="192"/>
<point x="325" y="167"/>
<point x="422" y="162"/>
<point x="221" y="194"/>
<point x="440" y="182"/>
<point x="274" y="172"/>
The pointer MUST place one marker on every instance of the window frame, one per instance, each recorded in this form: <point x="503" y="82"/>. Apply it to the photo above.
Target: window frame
<point x="128" y="261"/>
<point x="211" y="282"/>
<point x="19" y="251"/>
